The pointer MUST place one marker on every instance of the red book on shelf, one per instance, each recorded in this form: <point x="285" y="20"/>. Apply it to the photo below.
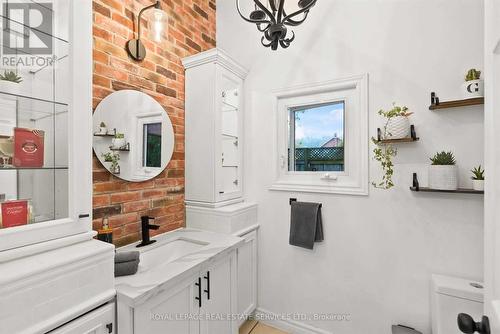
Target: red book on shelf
<point x="28" y="147"/>
<point x="14" y="213"/>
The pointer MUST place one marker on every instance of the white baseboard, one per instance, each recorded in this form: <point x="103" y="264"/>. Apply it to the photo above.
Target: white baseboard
<point x="290" y="326"/>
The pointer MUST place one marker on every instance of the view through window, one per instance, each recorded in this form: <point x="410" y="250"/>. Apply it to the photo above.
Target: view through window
<point x="316" y="142"/>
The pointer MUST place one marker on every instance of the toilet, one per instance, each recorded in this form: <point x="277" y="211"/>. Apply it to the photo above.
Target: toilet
<point x="451" y="296"/>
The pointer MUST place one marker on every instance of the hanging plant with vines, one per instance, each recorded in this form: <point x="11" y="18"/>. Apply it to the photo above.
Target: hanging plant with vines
<point x="384" y="154"/>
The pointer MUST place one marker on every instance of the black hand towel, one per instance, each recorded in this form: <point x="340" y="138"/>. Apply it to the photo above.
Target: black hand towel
<point x="126" y="256"/>
<point x="306" y="226"/>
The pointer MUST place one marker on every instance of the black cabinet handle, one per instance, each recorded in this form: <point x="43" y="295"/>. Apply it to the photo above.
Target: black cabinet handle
<point x="198" y="284"/>
<point x="110" y="327"/>
<point x="207" y="291"/>
<point x="86" y="215"/>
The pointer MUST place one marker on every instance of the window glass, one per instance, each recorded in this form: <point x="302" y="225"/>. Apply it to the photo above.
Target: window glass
<point x="316" y="141"/>
<point x="152" y="145"/>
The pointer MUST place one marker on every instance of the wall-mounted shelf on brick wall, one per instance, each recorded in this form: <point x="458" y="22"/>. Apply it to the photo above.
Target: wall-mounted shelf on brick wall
<point x="436" y="104"/>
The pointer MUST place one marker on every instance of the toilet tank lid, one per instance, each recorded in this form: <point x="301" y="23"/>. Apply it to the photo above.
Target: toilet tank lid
<point x="458" y="287"/>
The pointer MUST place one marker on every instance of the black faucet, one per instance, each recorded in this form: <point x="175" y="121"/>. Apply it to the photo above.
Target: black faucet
<point x="146" y="226"/>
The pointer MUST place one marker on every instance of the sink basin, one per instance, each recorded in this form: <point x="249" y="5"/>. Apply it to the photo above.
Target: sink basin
<point x="161" y="253"/>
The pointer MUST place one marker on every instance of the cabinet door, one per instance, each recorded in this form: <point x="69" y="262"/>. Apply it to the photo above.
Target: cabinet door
<point x="100" y="321"/>
<point x="229" y="117"/>
<point x="219" y="297"/>
<point x="247" y="275"/>
<point x="174" y="311"/>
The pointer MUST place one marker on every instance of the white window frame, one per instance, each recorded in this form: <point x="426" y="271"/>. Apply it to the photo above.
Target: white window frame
<point x="142" y="173"/>
<point x="354" y="180"/>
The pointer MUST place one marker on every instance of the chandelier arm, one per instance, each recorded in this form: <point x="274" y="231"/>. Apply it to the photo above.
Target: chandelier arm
<point x="294" y="23"/>
<point x="263" y="29"/>
<point x="303" y="10"/>
<point x="262" y="40"/>
<point x="265" y="10"/>
<point x="284" y="44"/>
<point x="273" y="5"/>
<point x="281" y="10"/>
<point x="291" y="39"/>
<point x="248" y="19"/>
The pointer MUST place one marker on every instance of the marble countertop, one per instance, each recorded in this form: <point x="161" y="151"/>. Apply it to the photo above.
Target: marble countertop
<point x="147" y="283"/>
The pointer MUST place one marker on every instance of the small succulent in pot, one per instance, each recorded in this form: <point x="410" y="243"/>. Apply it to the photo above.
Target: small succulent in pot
<point x="103" y="129"/>
<point x="11" y="76"/>
<point x="473" y="86"/>
<point x="478" y="178"/>
<point x="443" y="172"/>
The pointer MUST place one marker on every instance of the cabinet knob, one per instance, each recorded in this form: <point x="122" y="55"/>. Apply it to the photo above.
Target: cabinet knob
<point x="235" y="182"/>
<point x="223" y="94"/>
<point x="110" y="327"/>
<point x="467" y="325"/>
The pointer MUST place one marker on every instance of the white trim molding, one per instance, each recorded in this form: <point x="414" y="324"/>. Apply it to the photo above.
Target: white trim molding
<point x="354" y="180"/>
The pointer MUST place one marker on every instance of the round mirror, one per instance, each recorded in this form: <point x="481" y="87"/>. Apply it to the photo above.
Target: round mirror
<point x="133" y="136"/>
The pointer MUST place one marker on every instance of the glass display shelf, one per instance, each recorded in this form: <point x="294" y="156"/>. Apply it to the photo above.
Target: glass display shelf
<point x="33" y="168"/>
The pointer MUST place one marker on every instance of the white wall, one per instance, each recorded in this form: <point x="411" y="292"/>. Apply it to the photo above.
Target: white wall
<point x="380" y="250"/>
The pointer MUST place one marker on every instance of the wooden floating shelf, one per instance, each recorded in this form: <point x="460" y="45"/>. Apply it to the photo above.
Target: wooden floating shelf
<point x="417" y="188"/>
<point x="125" y="148"/>
<point x="458" y="191"/>
<point x="397" y="141"/>
<point x="103" y="135"/>
<point x="436" y="104"/>
<point x="413" y="138"/>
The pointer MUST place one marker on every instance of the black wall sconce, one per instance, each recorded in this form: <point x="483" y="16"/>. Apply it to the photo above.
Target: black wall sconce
<point x="158" y="23"/>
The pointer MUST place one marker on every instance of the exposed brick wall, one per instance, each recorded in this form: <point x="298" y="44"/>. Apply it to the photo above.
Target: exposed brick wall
<point x="161" y="75"/>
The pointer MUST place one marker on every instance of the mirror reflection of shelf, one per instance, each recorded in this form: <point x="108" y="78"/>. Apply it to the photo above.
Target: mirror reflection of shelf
<point x="107" y="134"/>
<point x="125" y="148"/>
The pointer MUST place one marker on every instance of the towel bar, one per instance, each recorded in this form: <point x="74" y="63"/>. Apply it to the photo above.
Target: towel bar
<point x="295" y="200"/>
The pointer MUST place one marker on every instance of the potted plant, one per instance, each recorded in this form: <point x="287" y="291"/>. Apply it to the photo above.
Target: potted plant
<point x="478" y="178"/>
<point x="397" y="124"/>
<point x="103" y="128"/>
<point x="119" y="140"/>
<point x="473" y="86"/>
<point x="10" y="82"/>
<point x="443" y="173"/>
<point x="112" y="157"/>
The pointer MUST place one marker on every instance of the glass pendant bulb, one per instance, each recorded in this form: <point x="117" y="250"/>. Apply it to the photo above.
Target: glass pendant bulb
<point x="158" y="24"/>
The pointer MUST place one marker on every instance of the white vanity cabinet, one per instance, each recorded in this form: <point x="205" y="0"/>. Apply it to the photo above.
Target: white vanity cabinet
<point x="214" y="115"/>
<point x="197" y="304"/>
<point x="247" y="275"/>
<point x="99" y="321"/>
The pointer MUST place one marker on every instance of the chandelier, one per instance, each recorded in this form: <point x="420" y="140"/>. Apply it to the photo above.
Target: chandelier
<point x="272" y="20"/>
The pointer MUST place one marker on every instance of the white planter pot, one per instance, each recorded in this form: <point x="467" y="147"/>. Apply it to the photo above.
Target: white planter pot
<point x="103" y="131"/>
<point x="472" y="89"/>
<point x="443" y="177"/>
<point x="478" y="185"/>
<point x="10" y="87"/>
<point x="118" y="142"/>
<point x="398" y="128"/>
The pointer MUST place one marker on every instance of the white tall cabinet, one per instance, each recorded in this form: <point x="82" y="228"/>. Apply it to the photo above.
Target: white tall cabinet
<point x="214" y="106"/>
<point x="214" y="163"/>
<point x="53" y="273"/>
